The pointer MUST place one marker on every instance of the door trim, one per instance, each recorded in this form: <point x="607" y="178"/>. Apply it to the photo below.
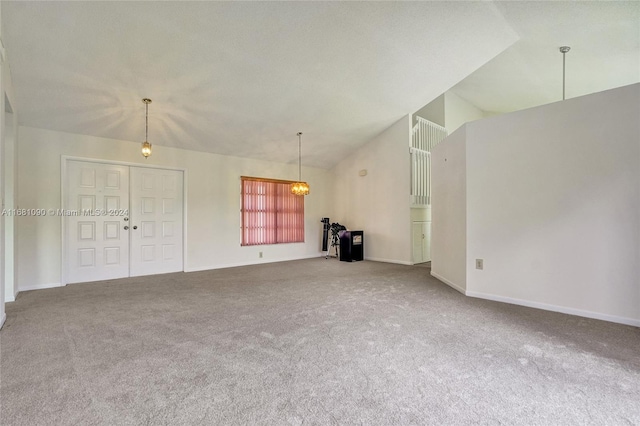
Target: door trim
<point x="64" y="160"/>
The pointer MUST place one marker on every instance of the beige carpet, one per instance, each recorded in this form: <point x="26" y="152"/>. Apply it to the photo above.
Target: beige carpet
<point x="307" y="342"/>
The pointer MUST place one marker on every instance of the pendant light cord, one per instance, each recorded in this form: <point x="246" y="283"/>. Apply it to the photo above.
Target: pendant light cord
<point x="299" y="156"/>
<point x="564" y="50"/>
<point x="564" y="64"/>
<point x="146" y="122"/>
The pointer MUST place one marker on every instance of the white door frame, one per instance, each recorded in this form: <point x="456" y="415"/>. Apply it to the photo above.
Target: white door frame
<point x="64" y="160"/>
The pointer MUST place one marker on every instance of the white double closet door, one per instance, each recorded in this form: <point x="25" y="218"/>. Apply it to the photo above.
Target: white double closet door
<point x="122" y="221"/>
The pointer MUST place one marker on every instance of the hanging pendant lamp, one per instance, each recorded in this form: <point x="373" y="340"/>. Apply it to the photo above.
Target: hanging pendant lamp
<point x="146" y="146"/>
<point x="300" y="187"/>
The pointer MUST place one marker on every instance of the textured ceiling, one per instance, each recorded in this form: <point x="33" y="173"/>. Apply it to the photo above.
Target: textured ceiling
<point x="241" y="78"/>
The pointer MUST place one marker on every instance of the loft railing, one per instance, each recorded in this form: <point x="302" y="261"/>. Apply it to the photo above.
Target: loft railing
<point x="420" y="177"/>
<point x="424" y="136"/>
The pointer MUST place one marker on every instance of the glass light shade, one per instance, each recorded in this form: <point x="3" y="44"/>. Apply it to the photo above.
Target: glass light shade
<point x="300" y="188"/>
<point x="146" y="149"/>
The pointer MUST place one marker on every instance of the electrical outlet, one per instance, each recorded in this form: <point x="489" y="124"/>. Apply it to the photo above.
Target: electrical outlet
<point x="260" y="255"/>
<point x="480" y="264"/>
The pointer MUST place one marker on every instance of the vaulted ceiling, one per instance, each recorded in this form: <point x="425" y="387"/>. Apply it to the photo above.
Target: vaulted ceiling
<point x="605" y="53"/>
<point x="241" y="78"/>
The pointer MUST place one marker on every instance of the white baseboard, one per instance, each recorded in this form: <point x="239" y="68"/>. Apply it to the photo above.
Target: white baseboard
<point x="447" y="282"/>
<point x="39" y="286"/>
<point x="397" y="262"/>
<point x="249" y="263"/>
<point x="3" y="319"/>
<point x="556" y="308"/>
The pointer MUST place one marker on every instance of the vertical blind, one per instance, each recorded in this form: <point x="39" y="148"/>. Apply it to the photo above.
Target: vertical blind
<point x="271" y="214"/>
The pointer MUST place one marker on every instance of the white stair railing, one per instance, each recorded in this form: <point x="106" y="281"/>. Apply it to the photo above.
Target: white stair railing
<point x="420" y="177"/>
<point x="424" y="136"/>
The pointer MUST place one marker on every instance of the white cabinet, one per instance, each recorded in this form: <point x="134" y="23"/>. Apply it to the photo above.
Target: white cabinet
<point x="421" y="237"/>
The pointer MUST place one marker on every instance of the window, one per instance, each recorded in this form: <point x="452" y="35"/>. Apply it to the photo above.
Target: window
<point x="271" y="214"/>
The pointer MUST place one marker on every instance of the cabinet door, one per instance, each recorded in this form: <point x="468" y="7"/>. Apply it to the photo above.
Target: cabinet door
<point x="426" y="242"/>
<point x="417" y="237"/>
<point x="421" y="238"/>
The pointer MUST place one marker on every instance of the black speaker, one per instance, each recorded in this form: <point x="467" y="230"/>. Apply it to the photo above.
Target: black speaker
<point x="351" y="246"/>
<point x="357" y="245"/>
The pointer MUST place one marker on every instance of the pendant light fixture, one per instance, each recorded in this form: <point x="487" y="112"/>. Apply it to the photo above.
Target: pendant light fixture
<point x="300" y="187"/>
<point x="564" y="50"/>
<point x="146" y="146"/>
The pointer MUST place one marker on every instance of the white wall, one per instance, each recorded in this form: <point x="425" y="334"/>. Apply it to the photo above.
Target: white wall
<point x="9" y="195"/>
<point x="378" y="203"/>
<point x="8" y="124"/>
<point x="458" y="111"/>
<point x="433" y="111"/>
<point x="213" y="194"/>
<point x="2" y="66"/>
<point x="553" y="206"/>
<point x="450" y="111"/>
<point x="448" y="210"/>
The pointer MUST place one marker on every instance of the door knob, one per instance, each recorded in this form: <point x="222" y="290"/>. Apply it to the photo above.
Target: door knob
<point x="135" y="226"/>
<point x="126" y="228"/>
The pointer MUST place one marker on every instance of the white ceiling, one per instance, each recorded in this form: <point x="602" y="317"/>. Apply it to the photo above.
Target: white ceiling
<point x="241" y="78"/>
<point x="605" y="53"/>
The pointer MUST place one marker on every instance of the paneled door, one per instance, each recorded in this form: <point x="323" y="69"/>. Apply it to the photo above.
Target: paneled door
<point x="156" y="219"/>
<point x="421" y="237"/>
<point x="122" y="221"/>
<point x="97" y="243"/>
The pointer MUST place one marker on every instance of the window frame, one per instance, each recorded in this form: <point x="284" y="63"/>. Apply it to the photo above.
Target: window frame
<point x="277" y="223"/>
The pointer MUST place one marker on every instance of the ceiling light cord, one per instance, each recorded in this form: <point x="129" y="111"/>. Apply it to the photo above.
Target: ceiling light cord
<point x="299" y="156"/>
<point x="564" y="50"/>
<point x="146" y="122"/>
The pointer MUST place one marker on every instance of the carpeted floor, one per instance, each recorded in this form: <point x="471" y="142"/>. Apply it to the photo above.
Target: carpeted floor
<point x="315" y="342"/>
